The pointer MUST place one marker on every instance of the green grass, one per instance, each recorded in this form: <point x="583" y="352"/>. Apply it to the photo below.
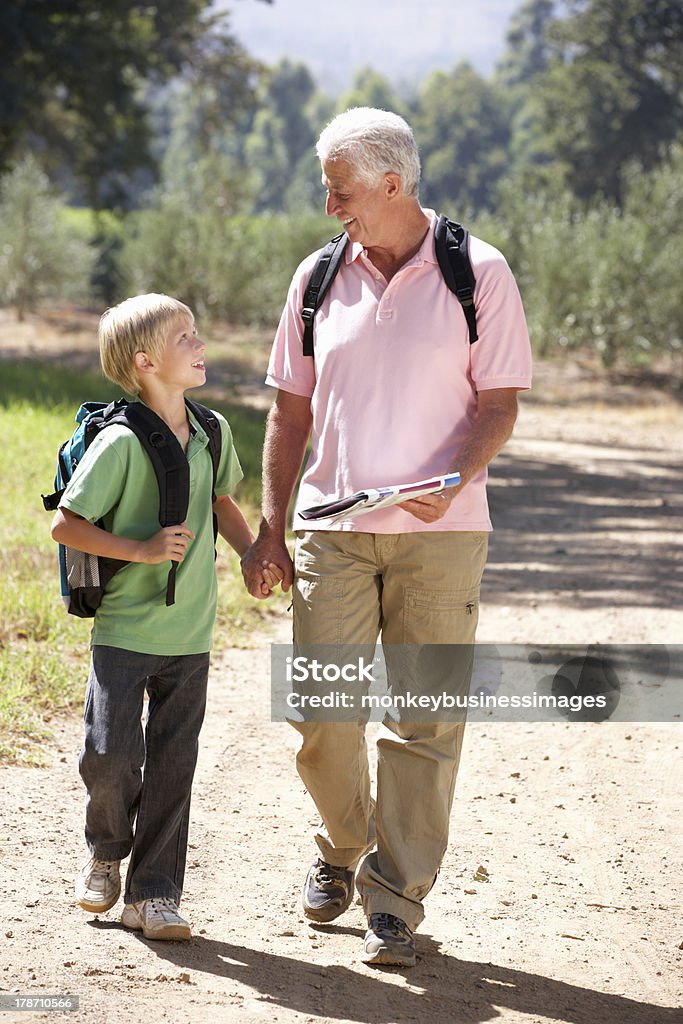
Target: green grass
<point x="44" y="651"/>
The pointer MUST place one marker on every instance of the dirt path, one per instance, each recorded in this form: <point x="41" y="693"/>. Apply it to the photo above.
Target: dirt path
<point x="577" y="825"/>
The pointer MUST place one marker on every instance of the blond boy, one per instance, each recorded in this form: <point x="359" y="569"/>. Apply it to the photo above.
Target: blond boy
<point x="148" y="346"/>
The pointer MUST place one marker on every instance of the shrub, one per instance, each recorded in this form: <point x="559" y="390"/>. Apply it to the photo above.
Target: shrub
<point x="41" y="254"/>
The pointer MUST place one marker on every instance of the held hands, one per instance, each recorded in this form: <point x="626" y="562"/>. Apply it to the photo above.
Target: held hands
<point x="264" y="565"/>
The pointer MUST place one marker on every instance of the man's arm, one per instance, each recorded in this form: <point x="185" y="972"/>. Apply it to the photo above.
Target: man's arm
<point x="287" y="432"/>
<point x="495" y="419"/>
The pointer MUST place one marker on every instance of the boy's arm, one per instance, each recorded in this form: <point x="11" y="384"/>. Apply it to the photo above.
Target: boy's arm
<point x="232" y="525"/>
<point x="234" y="528"/>
<point x="170" y="543"/>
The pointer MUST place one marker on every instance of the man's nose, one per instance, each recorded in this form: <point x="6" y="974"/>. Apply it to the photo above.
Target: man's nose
<point x="331" y="205"/>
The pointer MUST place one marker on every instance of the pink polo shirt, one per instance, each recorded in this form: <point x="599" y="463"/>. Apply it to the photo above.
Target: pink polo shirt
<point x="394" y="380"/>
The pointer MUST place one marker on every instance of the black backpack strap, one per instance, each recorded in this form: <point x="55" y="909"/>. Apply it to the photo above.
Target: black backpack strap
<point x="451" y="242"/>
<point x="169" y="463"/>
<point x="212" y="428"/>
<point x="319" y="282"/>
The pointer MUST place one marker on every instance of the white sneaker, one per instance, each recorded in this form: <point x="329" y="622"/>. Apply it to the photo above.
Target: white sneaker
<point x="156" y="919"/>
<point x="98" y="886"/>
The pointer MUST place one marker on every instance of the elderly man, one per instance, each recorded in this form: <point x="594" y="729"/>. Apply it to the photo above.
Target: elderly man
<point x="394" y="392"/>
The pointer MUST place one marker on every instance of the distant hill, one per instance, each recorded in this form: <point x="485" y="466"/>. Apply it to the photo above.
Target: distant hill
<point x="403" y="39"/>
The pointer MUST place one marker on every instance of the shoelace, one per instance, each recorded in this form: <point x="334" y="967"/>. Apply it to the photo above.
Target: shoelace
<point x="389" y="923"/>
<point x="161" y="903"/>
<point x="104" y="867"/>
<point x="330" y="874"/>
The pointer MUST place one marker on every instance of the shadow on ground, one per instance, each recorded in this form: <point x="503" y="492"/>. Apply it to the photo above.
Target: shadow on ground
<point x="452" y="990"/>
<point x="601" y="530"/>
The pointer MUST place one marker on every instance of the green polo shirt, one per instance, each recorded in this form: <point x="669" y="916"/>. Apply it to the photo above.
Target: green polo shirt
<point x="115" y="482"/>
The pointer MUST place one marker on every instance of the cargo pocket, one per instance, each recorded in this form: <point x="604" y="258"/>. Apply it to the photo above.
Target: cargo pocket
<point x="440" y="616"/>
<point x="318" y="610"/>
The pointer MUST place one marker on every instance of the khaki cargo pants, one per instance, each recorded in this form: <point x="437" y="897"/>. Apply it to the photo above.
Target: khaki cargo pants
<point x="413" y="588"/>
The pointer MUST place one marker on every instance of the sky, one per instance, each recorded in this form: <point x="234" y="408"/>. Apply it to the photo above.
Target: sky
<point x="403" y="39"/>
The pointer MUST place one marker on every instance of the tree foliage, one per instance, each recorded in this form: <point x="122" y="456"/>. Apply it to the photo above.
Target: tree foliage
<point x="462" y="127"/>
<point x="40" y="256"/>
<point x="613" y="91"/>
<point x="72" y="77"/>
<point x="600" y="277"/>
<point x="568" y="158"/>
<point x="280" y="144"/>
<point x="370" y="89"/>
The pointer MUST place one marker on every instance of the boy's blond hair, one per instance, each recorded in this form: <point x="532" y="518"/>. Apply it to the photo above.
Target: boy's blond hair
<point x="138" y="324"/>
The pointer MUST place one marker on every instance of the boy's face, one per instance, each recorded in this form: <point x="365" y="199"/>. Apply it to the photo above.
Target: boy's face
<point x="181" y="364"/>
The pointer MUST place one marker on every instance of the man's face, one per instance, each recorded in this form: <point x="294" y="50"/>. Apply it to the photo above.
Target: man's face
<point x="360" y="209"/>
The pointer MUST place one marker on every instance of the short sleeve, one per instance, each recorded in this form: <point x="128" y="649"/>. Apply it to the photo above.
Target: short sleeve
<point x="229" y="468"/>
<point x="501" y="358"/>
<point x="289" y="369"/>
<point x="98" y="481"/>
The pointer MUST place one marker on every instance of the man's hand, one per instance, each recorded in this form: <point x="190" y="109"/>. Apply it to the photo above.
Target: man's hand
<point x="494" y="420"/>
<point x="429" y="508"/>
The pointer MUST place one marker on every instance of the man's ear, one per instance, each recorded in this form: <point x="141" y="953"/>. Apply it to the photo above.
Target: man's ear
<point x="143" y="364"/>
<point x="392" y="184"/>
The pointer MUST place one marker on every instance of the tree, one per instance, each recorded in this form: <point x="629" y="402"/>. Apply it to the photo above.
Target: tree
<point x="39" y="255"/>
<point x="72" y="77"/>
<point x="613" y="91"/>
<point x="281" y="143"/>
<point x="526" y="58"/>
<point x="370" y="89"/>
<point x="462" y="128"/>
<point x="528" y="49"/>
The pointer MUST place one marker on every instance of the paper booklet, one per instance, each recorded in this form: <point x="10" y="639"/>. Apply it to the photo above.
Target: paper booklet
<point x="375" y="498"/>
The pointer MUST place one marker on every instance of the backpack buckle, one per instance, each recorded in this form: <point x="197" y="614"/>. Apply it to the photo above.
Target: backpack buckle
<point x="465" y="296"/>
<point x="307" y="314"/>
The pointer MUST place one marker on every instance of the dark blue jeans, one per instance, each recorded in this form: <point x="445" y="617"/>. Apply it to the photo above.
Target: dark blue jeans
<point x="139" y="781"/>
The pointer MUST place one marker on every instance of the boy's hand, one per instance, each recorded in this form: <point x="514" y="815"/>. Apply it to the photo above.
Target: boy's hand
<point x="170" y="543"/>
<point x="272" y="575"/>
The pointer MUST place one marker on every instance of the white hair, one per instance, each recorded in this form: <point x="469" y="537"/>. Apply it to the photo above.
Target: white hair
<point x="374" y="142"/>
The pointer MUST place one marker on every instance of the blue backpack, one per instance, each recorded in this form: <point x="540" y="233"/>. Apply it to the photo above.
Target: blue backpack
<point x="83" y="577"/>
